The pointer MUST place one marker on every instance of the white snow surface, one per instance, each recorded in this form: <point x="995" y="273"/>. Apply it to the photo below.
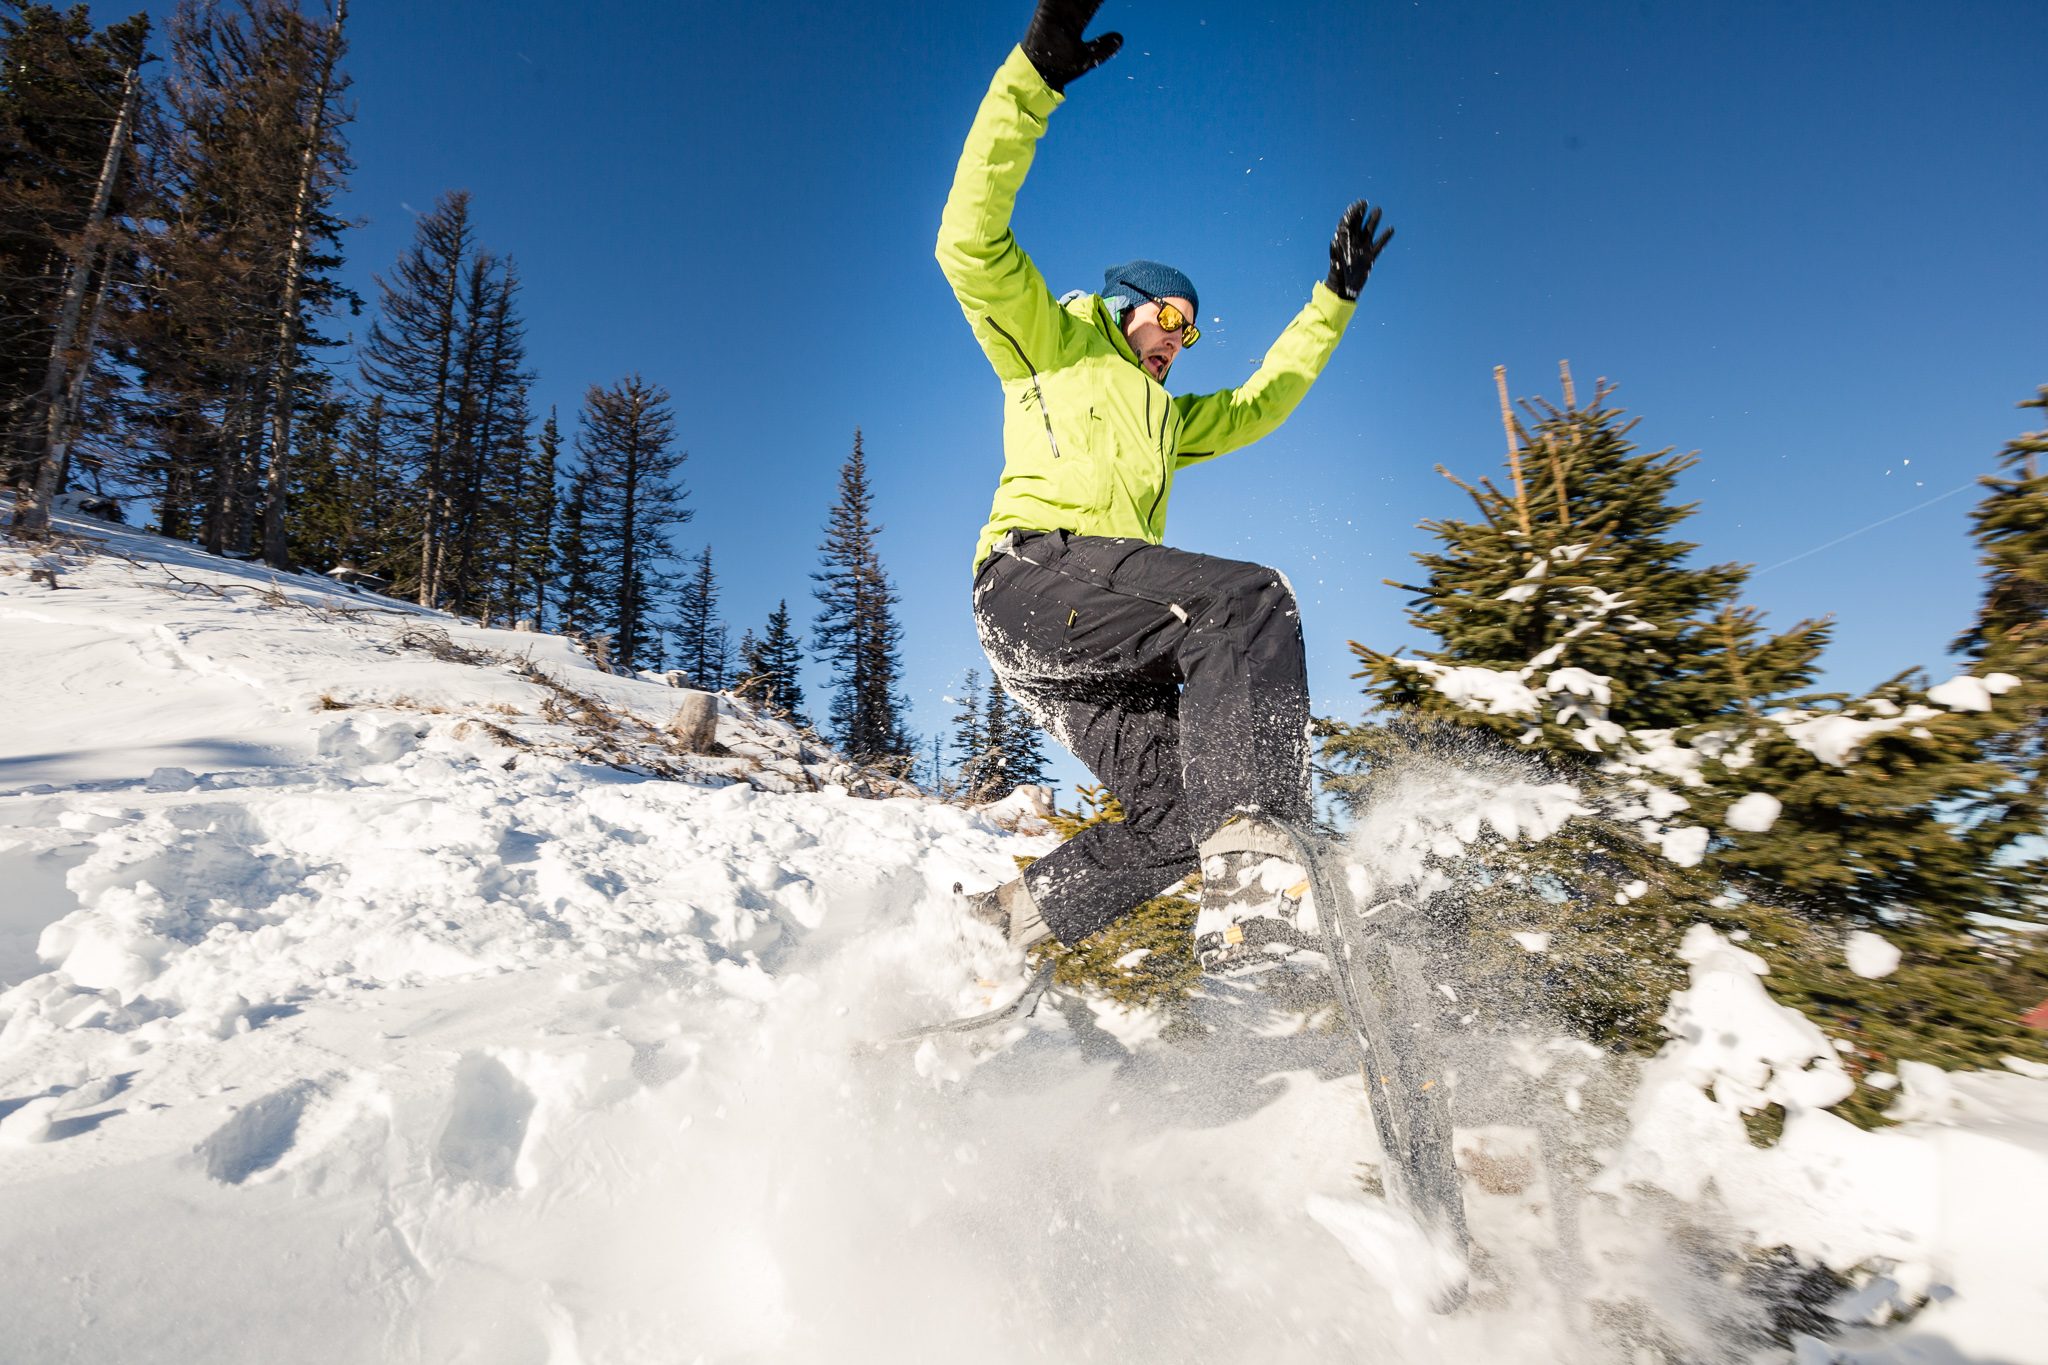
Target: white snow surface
<point x="1951" y="1203"/>
<point x="359" y="1004"/>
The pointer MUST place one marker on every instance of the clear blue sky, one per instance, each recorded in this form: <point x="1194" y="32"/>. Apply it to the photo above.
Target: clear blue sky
<point x="1807" y="240"/>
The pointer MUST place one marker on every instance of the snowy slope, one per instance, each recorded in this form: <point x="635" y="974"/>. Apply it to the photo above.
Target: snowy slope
<point x="379" y="987"/>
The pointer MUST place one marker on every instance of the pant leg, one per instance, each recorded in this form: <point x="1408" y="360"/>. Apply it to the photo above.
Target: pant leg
<point x="1244" y="700"/>
<point x="1094" y="634"/>
<point x="1128" y="736"/>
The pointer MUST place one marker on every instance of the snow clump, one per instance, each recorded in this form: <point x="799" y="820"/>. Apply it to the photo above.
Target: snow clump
<point x="1870" y="956"/>
<point x="1755" y="813"/>
<point x="1970" y="693"/>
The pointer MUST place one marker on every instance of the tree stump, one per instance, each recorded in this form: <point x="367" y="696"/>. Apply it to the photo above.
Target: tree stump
<point x="695" y="723"/>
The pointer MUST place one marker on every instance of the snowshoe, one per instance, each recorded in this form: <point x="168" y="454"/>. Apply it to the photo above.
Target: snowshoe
<point x="1009" y="910"/>
<point x="1256" y="908"/>
<point x="1376" y="960"/>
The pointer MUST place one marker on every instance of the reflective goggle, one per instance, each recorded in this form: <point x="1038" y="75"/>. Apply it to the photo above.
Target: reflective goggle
<point x="1171" y="319"/>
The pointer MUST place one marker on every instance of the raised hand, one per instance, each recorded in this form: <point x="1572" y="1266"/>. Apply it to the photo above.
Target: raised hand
<point x="1355" y="248"/>
<point x="1055" y="45"/>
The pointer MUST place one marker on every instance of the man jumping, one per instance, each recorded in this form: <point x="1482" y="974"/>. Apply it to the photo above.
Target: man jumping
<point x="1177" y="678"/>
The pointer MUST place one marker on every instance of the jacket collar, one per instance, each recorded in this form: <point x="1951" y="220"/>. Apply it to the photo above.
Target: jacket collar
<point x="1091" y="309"/>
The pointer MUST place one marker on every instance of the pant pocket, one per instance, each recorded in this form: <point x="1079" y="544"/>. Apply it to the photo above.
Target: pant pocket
<point x="1094" y="560"/>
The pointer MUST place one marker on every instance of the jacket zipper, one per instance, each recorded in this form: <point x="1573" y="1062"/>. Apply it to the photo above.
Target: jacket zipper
<point x="1160" y="496"/>
<point x="1043" y="411"/>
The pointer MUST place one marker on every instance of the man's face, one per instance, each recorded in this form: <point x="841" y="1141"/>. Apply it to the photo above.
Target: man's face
<point x="1155" y="347"/>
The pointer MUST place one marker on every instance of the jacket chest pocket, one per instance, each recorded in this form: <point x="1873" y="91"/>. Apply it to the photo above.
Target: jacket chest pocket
<point x="1101" y="458"/>
<point x="1086" y="458"/>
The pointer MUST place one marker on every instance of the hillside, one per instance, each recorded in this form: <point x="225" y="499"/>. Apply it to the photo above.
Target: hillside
<point x="383" y="987"/>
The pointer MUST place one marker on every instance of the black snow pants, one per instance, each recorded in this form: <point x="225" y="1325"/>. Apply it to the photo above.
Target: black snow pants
<point x="1177" y="678"/>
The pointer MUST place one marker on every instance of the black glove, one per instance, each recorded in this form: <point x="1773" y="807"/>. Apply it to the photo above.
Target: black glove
<point x="1055" y="46"/>
<point x="1353" y="249"/>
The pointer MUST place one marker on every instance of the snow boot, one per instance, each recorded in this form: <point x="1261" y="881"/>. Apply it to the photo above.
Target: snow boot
<point x="1009" y="910"/>
<point x="1256" y="909"/>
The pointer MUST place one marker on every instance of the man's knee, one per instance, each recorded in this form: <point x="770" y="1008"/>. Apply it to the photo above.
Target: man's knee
<point x="1257" y="602"/>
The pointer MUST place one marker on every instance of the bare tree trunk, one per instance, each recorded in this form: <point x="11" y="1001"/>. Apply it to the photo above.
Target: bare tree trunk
<point x="275" y="551"/>
<point x="438" y="511"/>
<point x="74" y="397"/>
<point x="229" y="520"/>
<point x="483" y="449"/>
<point x="220" y="494"/>
<point x="32" y="513"/>
<point x="248" y="501"/>
<point x="174" y="518"/>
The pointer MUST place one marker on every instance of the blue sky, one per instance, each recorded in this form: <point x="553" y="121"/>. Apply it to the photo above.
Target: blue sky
<point x="1807" y="241"/>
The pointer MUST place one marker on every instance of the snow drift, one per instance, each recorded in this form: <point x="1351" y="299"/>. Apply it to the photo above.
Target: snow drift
<point x="379" y="987"/>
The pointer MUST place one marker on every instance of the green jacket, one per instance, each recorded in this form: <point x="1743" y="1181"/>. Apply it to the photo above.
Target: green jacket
<point x="1091" y="442"/>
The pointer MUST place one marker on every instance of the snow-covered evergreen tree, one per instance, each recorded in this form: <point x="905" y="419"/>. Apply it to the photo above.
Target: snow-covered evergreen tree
<point x="2010" y="637"/>
<point x="1572" y="627"/>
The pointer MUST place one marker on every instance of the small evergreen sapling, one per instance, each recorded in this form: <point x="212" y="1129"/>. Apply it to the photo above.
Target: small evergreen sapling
<point x="695" y="632"/>
<point x="769" y="668"/>
<point x="1147" y="958"/>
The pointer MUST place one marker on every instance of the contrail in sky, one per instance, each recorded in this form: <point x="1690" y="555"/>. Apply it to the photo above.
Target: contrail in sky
<point x="1881" y="521"/>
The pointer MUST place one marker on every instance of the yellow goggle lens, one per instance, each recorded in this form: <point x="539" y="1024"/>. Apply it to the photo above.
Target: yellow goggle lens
<point x="1171" y="319"/>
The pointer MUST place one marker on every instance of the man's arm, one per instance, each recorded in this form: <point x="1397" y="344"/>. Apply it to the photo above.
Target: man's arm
<point x="1013" y="313"/>
<point x="1213" y="423"/>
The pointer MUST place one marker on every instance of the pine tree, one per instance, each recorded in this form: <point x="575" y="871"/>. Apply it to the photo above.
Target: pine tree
<point x="634" y="501"/>
<point x="970" y="738"/>
<point x="994" y="775"/>
<point x="769" y="668"/>
<point x="411" y="362"/>
<point x="696" y="625"/>
<point x="449" y="355"/>
<point x="534" y="506"/>
<point x="580" y="578"/>
<point x="492" y="441"/>
<point x="375" y="513"/>
<point x="1573" y="573"/>
<point x="2010" y="638"/>
<point x="322" y="163"/>
<point x="718" y="656"/>
<point x="70" y="102"/>
<point x="243" y="260"/>
<point x="1016" y="750"/>
<point x="329" y="505"/>
<point x="856" y="634"/>
<point x="1570" y="626"/>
